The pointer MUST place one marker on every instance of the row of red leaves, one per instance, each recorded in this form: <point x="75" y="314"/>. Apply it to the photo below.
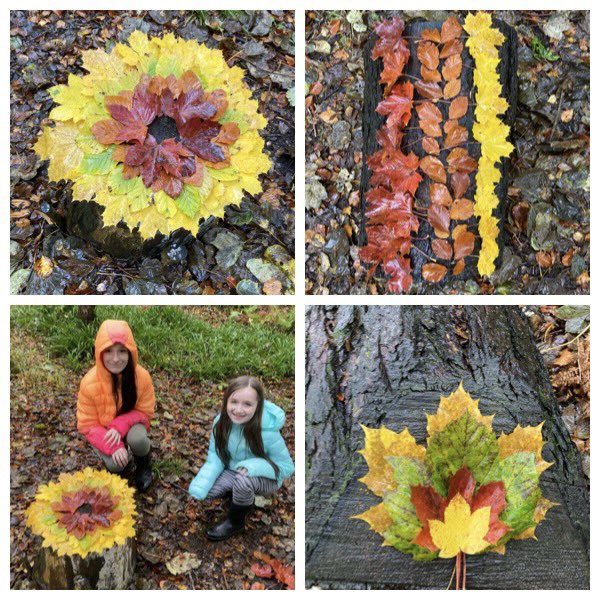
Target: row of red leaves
<point x="394" y="180"/>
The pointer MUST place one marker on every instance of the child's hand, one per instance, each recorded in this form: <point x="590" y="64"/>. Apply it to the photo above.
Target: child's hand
<point x="120" y="457"/>
<point x="242" y="470"/>
<point x="112" y="437"/>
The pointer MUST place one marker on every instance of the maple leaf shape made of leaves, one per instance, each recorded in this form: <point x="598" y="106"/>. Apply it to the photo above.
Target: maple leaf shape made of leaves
<point x="465" y="491"/>
<point x="156" y="177"/>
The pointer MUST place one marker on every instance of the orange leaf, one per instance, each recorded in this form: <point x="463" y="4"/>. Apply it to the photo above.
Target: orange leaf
<point x="439" y="218"/>
<point x="442" y="249"/>
<point x="428" y="55"/>
<point x="451" y="48"/>
<point x="433" y="167"/>
<point x="455" y="134"/>
<point x="452" y="67"/>
<point x="432" y="272"/>
<point x="460" y="161"/>
<point x="451" y="29"/>
<point x="460" y="183"/>
<point x="431" y="128"/>
<point x="433" y="35"/>
<point x="430" y="145"/>
<point x="458" y="107"/>
<point x="464" y="243"/>
<point x="430" y="74"/>
<point x="462" y="209"/>
<point x="451" y="89"/>
<point x="428" y="111"/>
<point x="439" y="194"/>
<point x="459" y="267"/>
<point x="429" y="90"/>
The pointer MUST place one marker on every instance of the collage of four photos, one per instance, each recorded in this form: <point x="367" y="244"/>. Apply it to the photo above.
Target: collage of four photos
<point x="386" y="437"/>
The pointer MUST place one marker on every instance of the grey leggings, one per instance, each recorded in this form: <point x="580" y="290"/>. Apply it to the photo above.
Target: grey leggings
<point x="138" y="442"/>
<point x="242" y="488"/>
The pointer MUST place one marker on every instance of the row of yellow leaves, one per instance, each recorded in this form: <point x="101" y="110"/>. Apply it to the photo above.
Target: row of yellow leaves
<point x="488" y="130"/>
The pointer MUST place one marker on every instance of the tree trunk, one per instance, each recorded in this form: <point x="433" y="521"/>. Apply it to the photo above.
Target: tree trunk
<point x="372" y="121"/>
<point x="388" y="365"/>
<point x="111" y="570"/>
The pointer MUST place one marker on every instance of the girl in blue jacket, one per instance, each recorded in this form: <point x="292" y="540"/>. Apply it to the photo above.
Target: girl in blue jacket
<point x="246" y="455"/>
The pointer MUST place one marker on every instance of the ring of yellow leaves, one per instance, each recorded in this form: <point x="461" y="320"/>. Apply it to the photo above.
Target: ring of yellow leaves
<point x="488" y="130"/>
<point x="81" y="104"/>
<point x="43" y="521"/>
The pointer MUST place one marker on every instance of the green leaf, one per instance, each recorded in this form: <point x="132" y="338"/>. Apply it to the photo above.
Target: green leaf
<point x="291" y="96"/>
<point x="168" y="65"/>
<point x="97" y="164"/>
<point x="521" y="479"/>
<point x="541" y="52"/>
<point x="572" y="312"/>
<point x="189" y="201"/>
<point x="227" y="174"/>
<point x="407" y="472"/>
<point x="463" y="442"/>
<point x="237" y="117"/>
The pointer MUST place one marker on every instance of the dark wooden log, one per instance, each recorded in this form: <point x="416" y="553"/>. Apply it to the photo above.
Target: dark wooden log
<point x="372" y="122"/>
<point x="388" y="365"/>
<point x="111" y="570"/>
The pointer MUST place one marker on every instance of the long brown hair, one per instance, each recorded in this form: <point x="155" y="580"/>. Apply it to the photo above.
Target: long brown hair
<point x="128" y="387"/>
<point x="252" y="429"/>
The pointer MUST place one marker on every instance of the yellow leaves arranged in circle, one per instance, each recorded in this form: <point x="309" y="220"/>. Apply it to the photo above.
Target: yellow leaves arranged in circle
<point x="43" y="521"/>
<point x="488" y="130"/>
<point x="75" y="154"/>
<point x="461" y="530"/>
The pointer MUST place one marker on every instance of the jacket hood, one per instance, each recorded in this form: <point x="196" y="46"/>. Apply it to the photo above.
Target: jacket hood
<point x="273" y="417"/>
<point x="113" y="332"/>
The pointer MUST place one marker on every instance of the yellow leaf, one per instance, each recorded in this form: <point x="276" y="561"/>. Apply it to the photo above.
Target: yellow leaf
<point x="60" y="145"/>
<point x="381" y="444"/>
<point x="377" y="517"/>
<point x="524" y="439"/>
<point x="461" y="530"/>
<point x="453" y="407"/>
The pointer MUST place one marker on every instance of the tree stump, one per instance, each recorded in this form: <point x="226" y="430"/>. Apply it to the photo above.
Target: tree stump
<point x="373" y="94"/>
<point x="376" y="366"/>
<point x="111" y="570"/>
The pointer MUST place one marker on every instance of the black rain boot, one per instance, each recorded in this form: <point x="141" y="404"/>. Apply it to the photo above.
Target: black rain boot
<point x="143" y="472"/>
<point x="233" y="523"/>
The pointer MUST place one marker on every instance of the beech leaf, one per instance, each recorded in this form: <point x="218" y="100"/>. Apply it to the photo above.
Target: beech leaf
<point x="428" y="54"/>
<point x="430" y="146"/>
<point x="433" y="167"/>
<point x="433" y="272"/>
<point x="442" y="249"/>
<point x="458" y="107"/>
<point x="452" y="67"/>
<point x="463" y="244"/>
<point x="451" y="29"/>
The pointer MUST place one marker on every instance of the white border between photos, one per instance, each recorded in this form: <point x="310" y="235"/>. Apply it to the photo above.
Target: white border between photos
<point x="301" y="301"/>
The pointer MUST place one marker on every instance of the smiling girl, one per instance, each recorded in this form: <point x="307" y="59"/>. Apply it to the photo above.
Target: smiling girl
<point x="116" y="402"/>
<point x="247" y="455"/>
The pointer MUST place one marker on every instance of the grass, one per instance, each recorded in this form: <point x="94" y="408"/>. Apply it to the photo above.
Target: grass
<point x="170" y="338"/>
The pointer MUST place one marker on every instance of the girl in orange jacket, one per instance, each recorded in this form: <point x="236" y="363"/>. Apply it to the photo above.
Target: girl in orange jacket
<point x="116" y="402"/>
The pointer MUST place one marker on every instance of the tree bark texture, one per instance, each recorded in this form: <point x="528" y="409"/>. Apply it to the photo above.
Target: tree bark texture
<point x="389" y="365"/>
<point x="372" y="122"/>
<point x="111" y="570"/>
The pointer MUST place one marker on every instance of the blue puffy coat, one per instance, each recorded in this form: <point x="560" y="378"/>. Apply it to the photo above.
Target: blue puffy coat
<point x="240" y="454"/>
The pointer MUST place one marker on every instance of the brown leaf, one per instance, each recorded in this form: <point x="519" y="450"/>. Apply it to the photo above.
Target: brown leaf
<point x="459" y="267"/>
<point x="462" y="209"/>
<point x="439" y="218"/>
<point x="272" y="287"/>
<point x="430" y="145"/>
<point x="460" y="183"/>
<point x="451" y="48"/>
<point x="432" y="272"/>
<point x="442" y="249"/>
<point x="430" y="74"/>
<point x="429" y="55"/>
<point x="439" y="194"/>
<point x="451" y="29"/>
<point x="458" y="230"/>
<point x="460" y="161"/>
<point x="452" y="67"/>
<point x="431" y="128"/>
<point x="433" y="35"/>
<point x="464" y="243"/>
<point x="429" y="111"/>
<point x="458" y="107"/>
<point x="429" y="90"/>
<point x="545" y="259"/>
<point x="455" y="134"/>
<point x="451" y="89"/>
<point x="565" y="358"/>
<point x="432" y="166"/>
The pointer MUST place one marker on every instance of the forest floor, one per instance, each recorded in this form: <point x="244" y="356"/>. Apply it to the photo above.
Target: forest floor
<point x="546" y="233"/>
<point x="46" y="46"/>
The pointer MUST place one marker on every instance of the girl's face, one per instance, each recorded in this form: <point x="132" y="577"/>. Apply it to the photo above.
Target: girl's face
<point x="241" y="405"/>
<point x="115" y="358"/>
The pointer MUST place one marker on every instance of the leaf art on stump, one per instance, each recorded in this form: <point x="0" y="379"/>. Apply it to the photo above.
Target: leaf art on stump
<point x="466" y="492"/>
<point x="393" y="211"/>
<point x="85" y="512"/>
<point x="161" y="132"/>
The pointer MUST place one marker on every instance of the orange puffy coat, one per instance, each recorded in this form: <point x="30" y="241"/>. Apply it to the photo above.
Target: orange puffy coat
<point x="96" y="408"/>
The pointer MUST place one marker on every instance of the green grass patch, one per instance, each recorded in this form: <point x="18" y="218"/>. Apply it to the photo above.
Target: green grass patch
<point x="169" y="338"/>
<point x="169" y="466"/>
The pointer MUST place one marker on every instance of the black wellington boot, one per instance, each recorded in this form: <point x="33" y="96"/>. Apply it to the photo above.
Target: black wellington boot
<point x="143" y="472"/>
<point x="233" y="523"/>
